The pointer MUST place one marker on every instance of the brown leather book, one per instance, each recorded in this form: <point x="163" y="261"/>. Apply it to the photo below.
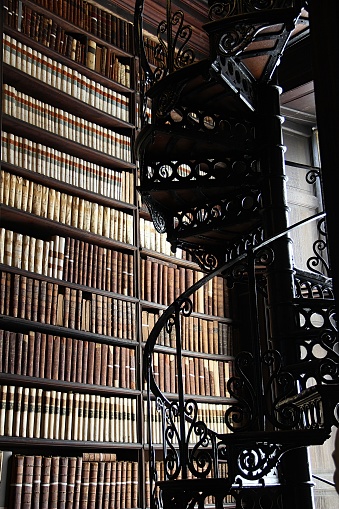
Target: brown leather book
<point x="84" y="487"/>
<point x="54" y="479"/>
<point x="113" y="485"/>
<point x="104" y="364"/>
<point x="116" y="370"/>
<point x="85" y="361"/>
<point x="97" y="364"/>
<point x="93" y="482"/>
<point x="62" y="358"/>
<point x="45" y="481"/>
<point x="123" y="493"/>
<point x="37" y="472"/>
<point x="37" y="353"/>
<point x="74" y="359"/>
<point x="29" y="299"/>
<point x="90" y="364"/>
<point x="70" y="486"/>
<point x="56" y="357"/>
<point x="17" y="474"/>
<point x="31" y="354"/>
<point x="62" y="482"/>
<point x="118" y="485"/>
<point x="49" y="356"/>
<point x="107" y="485"/>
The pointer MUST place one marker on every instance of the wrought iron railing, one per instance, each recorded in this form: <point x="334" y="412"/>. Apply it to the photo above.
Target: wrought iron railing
<point x="265" y="395"/>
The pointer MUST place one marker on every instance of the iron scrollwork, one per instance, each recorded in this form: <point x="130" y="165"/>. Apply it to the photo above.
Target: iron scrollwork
<point x="178" y="458"/>
<point x="257" y="461"/>
<point x="169" y="53"/>
<point x="227" y="8"/>
<point x="242" y="415"/>
<point x="235" y="41"/>
<point x="320" y="249"/>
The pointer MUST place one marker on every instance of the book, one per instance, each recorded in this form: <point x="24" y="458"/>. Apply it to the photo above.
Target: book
<point x="93" y="480"/>
<point x="100" y="485"/>
<point x="84" y="486"/>
<point x="62" y="481"/>
<point x="45" y="481"/>
<point x="70" y="486"/>
<point x="37" y="475"/>
<point x="16" y="481"/>
<point x="107" y="484"/>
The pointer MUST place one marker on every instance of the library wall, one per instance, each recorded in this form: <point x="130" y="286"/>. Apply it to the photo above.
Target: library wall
<point x="84" y="275"/>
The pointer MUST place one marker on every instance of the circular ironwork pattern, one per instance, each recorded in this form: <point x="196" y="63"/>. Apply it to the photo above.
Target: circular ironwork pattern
<point x="258" y="461"/>
<point x="215" y="215"/>
<point x="172" y="115"/>
<point x="212" y="171"/>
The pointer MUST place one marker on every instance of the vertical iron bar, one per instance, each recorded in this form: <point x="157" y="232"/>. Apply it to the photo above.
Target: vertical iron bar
<point x="150" y="438"/>
<point x="255" y="339"/>
<point x="183" y="447"/>
<point x="170" y="49"/>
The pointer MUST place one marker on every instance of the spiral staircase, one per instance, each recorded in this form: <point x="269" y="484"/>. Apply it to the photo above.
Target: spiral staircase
<point x="213" y="179"/>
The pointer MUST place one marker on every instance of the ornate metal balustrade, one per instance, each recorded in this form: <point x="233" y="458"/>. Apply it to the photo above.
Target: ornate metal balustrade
<point x="286" y="407"/>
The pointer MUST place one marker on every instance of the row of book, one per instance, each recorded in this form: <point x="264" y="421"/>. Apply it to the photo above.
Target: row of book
<point x="90" y="17"/>
<point x="70" y="260"/>
<point x="64" y="124"/>
<point x="104" y="61"/>
<point x="61" y="76"/>
<point x="151" y="239"/>
<point x="50" y="414"/>
<point x="196" y="334"/>
<point x="204" y="377"/>
<point x="50" y="303"/>
<point x="24" y="194"/>
<point x="212" y="415"/>
<point x="163" y="282"/>
<point x="45" y="30"/>
<point x="40" y="355"/>
<point x="70" y="169"/>
<point x="74" y="482"/>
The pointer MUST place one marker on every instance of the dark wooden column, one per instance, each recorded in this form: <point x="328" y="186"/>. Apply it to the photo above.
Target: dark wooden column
<point x="324" y="21"/>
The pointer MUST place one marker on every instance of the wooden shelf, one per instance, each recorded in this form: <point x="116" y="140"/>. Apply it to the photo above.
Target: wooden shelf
<point x="22" y="325"/>
<point x="67" y="447"/>
<point x="59" y="185"/>
<point x="40" y="90"/>
<point x="25" y="222"/>
<point x="100" y="78"/>
<point x="21" y="128"/>
<point x="62" y="386"/>
<point x="68" y="284"/>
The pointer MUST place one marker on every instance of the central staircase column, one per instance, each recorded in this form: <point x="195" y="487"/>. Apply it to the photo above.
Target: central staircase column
<point x="280" y="286"/>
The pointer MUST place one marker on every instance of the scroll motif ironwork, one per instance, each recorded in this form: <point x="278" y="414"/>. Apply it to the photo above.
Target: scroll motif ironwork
<point x="320" y="252"/>
<point x="227" y="8"/>
<point x="171" y="51"/>
<point x="157" y="216"/>
<point x="237" y="39"/>
<point x="255" y="462"/>
<point x="242" y="415"/>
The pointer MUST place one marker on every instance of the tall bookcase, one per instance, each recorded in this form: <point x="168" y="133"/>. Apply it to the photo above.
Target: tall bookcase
<point x="84" y="275"/>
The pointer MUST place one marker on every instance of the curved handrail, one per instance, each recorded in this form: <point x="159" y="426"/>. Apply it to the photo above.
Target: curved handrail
<point x="179" y="301"/>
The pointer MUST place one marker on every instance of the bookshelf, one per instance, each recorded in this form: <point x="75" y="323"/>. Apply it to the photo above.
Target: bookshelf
<point x="84" y="274"/>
